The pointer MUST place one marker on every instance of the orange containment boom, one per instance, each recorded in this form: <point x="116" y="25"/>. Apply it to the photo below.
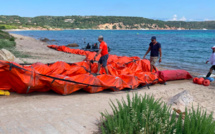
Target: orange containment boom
<point x="65" y="78"/>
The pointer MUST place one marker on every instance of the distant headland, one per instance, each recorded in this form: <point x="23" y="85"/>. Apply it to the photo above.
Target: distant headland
<point x="98" y="22"/>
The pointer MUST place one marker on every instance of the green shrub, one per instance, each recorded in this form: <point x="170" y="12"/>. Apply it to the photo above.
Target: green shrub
<point x="8" y="27"/>
<point x="19" y="54"/>
<point x="198" y="122"/>
<point x="114" y="27"/>
<point x="2" y="27"/>
<point x="6" y="35"/>
<point x="144" y="114"/>
<point x="12" y="39"/>
<point x="4" y="43"/>
<point x="6" y="40"/>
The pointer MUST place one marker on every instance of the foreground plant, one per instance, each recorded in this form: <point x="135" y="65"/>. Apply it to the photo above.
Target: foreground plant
<point x="144" y="114"/>
<point x="198" y="122"/>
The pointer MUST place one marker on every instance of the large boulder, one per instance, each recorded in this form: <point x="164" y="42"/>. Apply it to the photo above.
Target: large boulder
<point x="181" y="99"/>
<point x="6" y="55"/>
<point x="73" y="45"/>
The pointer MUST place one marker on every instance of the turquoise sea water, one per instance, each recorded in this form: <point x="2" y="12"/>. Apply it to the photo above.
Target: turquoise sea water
<point x="185" y="49"/>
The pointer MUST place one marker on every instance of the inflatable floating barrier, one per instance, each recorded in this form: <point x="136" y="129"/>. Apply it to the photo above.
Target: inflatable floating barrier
<point x="195" y="80"/>
<point x="66" y="78"/>
<point x="206" y="83"/>
<point x="201" y="81"/>
<point x="168" y="75"/>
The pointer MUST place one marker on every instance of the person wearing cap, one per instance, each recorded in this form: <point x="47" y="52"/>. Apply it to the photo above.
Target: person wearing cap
<point x="155" y="49"/>
<point x="212" y="61"/>
<point x="103" y="50"/>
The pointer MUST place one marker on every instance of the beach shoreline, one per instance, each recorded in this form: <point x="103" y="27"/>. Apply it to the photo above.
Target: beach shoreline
<point x="38" y="51"/>
<point x="79" y="112"/>
<point x="188" y="59"/>
<point x="12" y="30"/>
<point x="193" y="73"/>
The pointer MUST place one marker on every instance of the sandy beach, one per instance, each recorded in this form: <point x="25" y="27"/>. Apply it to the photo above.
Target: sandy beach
<point x="39" y="52"/>
<point x="79" y="112"/>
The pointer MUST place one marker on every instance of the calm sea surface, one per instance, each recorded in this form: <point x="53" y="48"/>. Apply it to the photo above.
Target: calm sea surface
<point x="181" y="49"/>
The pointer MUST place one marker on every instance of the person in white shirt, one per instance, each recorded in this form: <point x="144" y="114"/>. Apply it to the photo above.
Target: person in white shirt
<point x="212" y="61"/>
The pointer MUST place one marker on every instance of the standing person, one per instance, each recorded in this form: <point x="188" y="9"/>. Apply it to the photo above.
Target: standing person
<point x="155" y="48"/>
<point x="103" y="50"/>
<point x="212" y="61"/>
<point x="88" y="46"/>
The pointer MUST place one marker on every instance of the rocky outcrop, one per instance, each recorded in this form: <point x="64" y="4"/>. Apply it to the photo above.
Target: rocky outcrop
<point x="73" y="45"/>
<point x="40" y="28"/>
<point x="44" y="39"/>
<point x="141" y="26"/>
<point x="6" y="55"/>
<point x="55" y="29"/>
<point x="181" y="99"/>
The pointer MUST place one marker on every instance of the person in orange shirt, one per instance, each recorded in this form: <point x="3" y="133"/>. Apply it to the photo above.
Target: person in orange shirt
<point x="103" y="50"/>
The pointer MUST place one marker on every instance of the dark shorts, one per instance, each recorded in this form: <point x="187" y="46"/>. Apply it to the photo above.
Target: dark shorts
<point x="103" y="60"/>
<point x="213" y="67"/>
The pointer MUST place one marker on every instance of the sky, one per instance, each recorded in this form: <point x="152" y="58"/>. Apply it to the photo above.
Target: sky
<point x="185" y="10"/>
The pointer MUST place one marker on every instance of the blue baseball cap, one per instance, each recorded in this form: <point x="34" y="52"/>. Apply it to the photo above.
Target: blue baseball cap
<point x="153" y="38"/>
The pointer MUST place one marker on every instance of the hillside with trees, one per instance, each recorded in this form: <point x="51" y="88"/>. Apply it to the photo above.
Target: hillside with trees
<point x="96" y="22"/>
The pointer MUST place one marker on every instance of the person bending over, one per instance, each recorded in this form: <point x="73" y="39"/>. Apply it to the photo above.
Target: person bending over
<point x="155" y="48"/>
<point x="103" y="50"/>
<point x="212" y="61"/>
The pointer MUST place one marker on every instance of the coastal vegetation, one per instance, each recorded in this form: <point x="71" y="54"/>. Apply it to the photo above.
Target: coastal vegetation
<point x="8" y="42"/>
<point x="144" y="114"/>
<point x="2" y="26"/>
<point x="96" y="22"/>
